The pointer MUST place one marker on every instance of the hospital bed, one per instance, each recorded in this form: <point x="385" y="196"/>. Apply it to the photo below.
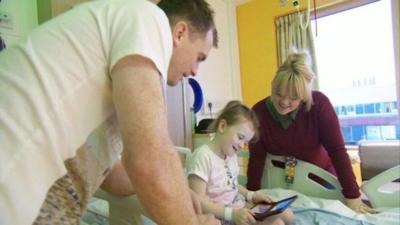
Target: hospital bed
<point x="304" y="178"/>
<point x="378" y="195"/>
<point x="327" y="199"/>
<point x="107" y="209"/>
<point x="316" y="203"/>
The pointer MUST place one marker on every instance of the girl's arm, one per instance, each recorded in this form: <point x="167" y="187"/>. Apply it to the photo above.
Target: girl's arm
<point x="254" y="196"/>
<point x="199" y="186"/>
<point x="238" y="216"/>
<point x="246" y="193"/>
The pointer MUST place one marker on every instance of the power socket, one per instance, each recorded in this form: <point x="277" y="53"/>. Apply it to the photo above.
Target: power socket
<point x="6" y="20"/>
<point x="216" y="106"/>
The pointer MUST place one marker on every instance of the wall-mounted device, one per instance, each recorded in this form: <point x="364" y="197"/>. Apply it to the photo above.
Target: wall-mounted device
<point x="6" y="20"/>
<point x="304" y="22"/>
<point x="296" y="4"/>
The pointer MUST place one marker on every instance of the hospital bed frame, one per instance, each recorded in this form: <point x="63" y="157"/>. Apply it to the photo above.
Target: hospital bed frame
<point x="377" y="195"/>
<point x="274" y="177"/>
<point x="128" y="210"/>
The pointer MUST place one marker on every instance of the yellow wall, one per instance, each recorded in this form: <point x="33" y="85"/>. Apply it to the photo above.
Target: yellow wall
<point x="257" y="45"/>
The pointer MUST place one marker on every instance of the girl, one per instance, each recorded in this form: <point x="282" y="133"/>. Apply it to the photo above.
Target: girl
<point x="213" y="169"/>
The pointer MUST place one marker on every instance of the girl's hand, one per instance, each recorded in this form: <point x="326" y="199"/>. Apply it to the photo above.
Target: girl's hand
<point x="208" y="219"/>
<point x="260" y="197"/>
<point x="243" y="216"/>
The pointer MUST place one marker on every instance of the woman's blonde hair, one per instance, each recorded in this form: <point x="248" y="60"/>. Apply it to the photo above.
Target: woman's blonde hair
<point x="234" y="113"/>
<point x="294" y="78"/>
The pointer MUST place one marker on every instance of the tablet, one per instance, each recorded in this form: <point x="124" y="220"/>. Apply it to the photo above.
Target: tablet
<point x="263" y="210"/>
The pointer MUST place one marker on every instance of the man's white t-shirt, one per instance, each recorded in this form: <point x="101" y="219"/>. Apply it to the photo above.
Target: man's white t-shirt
<point x="55" y="92"/>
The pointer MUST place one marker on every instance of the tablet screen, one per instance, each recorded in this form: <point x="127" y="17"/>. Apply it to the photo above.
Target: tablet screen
<point x="261" y="208"/>
<point x="273" y="208"/>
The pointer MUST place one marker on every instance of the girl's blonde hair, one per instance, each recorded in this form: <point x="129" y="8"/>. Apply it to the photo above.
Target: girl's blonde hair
<point x="236" y="112"/>
<point x="294" y="78"/>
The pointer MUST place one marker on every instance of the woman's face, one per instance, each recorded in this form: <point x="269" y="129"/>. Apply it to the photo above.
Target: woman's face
<point x="234" y="137"/>
<point x="285" y="104"/>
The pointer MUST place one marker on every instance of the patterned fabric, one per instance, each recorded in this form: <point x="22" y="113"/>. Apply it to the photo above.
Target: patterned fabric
<point x="64" y="194"/>
<point x="68" y="198"/>
<point x="219" y="174"/>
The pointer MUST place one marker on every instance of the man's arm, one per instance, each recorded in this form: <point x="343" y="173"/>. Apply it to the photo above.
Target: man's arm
<point x="117" y="181"/>
<point x="149" y="157"/>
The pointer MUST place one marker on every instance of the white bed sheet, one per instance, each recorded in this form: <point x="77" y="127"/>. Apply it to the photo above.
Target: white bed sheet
<point x="386" y="216"/>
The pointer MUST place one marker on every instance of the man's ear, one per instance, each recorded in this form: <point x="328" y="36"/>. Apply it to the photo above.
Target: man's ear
<point x="179" y="31"/>
<point x="222" y="125"/>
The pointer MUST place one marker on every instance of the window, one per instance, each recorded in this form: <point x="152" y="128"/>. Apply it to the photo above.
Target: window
<point x="356" y="69"/>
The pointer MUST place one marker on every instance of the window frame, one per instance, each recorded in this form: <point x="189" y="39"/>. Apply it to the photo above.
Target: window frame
<point x="333" y="7"/>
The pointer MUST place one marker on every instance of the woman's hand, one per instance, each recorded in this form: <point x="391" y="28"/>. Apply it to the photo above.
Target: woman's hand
<point x="243" y="216"/>
<point x="260" y="197"/>
<point x="358" y="206"/>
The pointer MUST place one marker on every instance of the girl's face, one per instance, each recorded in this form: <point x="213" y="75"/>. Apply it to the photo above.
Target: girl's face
<point x="284" y="104"/>
<point x="233" y="138"/>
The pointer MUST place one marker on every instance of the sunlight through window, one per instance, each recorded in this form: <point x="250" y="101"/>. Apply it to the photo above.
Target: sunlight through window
<point x="356" y="70"/>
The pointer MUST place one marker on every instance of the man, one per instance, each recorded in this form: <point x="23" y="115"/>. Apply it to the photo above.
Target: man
<point x="74" y="85"/>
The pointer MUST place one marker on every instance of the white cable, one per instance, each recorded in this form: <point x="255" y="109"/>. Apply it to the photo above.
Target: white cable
<point x="296" y="5"/>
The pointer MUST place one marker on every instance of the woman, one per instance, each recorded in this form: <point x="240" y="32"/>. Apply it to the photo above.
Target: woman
<point x="298" y="122"/>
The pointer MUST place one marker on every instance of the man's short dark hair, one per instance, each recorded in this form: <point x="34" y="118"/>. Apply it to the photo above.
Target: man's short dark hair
<point x="197" y="12"/>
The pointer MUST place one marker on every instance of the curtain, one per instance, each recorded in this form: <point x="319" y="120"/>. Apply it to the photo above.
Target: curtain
<point x="290" y="34"/>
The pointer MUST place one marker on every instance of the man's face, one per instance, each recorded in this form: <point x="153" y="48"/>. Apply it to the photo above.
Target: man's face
<point x="188" y="52"/>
